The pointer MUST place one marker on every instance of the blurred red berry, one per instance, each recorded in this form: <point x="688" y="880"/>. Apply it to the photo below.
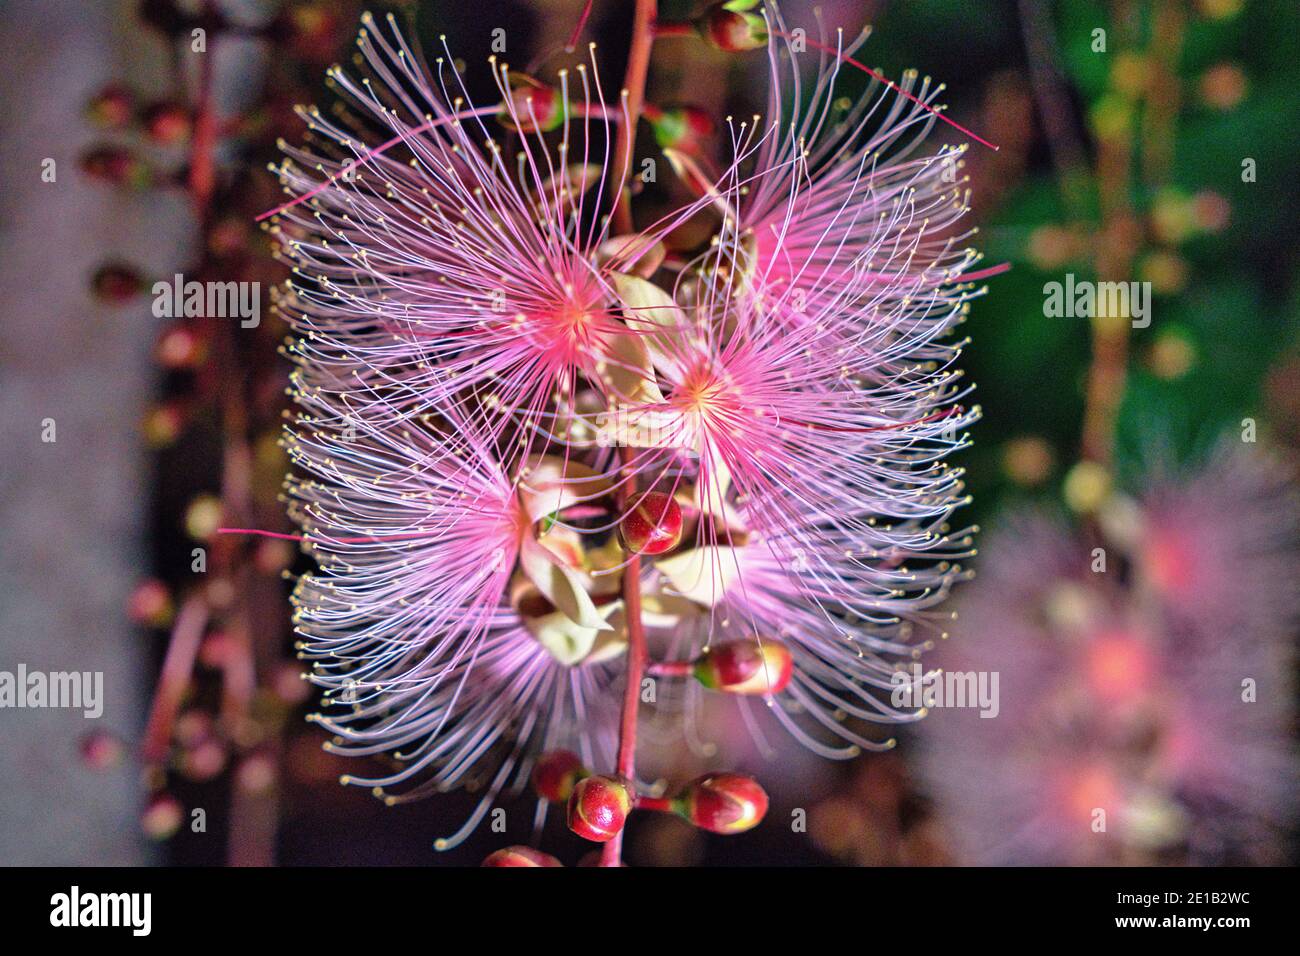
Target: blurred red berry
<point x="520" y="856"/>
<point x="289" y="684"/>
<point x="162" y="817"/>
<point x="732" y="29"/>
<point x="532" y="106"/>
<point x="680" y="127"/>
<point x="111" y="107"/>
<point x="115" y="283"/>
<point x="163" y="424"/>
<point x="150" y="603"/>
<point x="204" y="760"/>
<point x="556" y="773"/>
<point x="228" y="237"/>
<point x="167" y="124"/>
<point x="191" y="727"/>
<point x="312" y="31"/>
<point x="116" y="166"/>
<point x="179" y="347"/>
<point x="257" y="773"/>
<point x="101" y="750"/>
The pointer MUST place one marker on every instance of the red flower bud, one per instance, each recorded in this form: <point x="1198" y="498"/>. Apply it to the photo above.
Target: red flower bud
<point x="180" y="347"/>
<point x="256" y="773"/>
<point x="520" y="856"/>
<point x="532" y="106"/>
<point x="115" y="283"/>
<point x="228" y="237"/>
<point x="556" y="773"/>
<point x="150" y="604"/>
<point x="733" y="30"/>
<point x="163" y="424"/>
<point x="598" y="808"/>
<point x="167" y="123"/>
<point x="162" y="817"/>
<point x="111" y="107"/>
<point x="312" y="31"/>
<point x="680" y="127"/>
<point x="101" y="750"/>
<point x="745" y="667"/>
<point x="116" y="166"/>
<point x="204" y="760"/>
<point x="654" y="525"/>
<point x="722" y="803"/>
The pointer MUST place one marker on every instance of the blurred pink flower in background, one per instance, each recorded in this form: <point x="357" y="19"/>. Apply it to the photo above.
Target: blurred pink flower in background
<point x="1145" y="677"/>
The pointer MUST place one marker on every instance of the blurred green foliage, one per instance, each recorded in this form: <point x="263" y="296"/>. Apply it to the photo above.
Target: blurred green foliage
<point x="1197" y="370"/>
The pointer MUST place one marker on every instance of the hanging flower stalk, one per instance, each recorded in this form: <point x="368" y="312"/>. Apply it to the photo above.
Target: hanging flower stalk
<point x="540" y="457"/>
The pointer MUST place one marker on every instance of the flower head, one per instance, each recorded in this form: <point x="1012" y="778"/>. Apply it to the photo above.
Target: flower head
<point x="464" y="271"/>
<point x="471" y="344"/>
<point x="412" y="623"/>
<point x="803" y="401"/>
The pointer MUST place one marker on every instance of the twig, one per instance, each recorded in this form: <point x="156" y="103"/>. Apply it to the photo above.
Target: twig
<point x="638" y="64"/>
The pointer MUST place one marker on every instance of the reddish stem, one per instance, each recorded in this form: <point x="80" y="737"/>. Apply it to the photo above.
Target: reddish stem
<point x="638" y="64"/>
<point x="673" y="30"/>
<point x="177" y="668"/>
<point x="253" y="816"/>
<point x="660" y="804"/>
<point x="610" y="854"/>
<point x="636" y="661"/>
<point x="202" y="173"/>
<point x="671" y="668"/>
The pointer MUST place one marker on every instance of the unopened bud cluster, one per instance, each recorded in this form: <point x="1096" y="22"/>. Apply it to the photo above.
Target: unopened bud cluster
<point x="597" y="805"/>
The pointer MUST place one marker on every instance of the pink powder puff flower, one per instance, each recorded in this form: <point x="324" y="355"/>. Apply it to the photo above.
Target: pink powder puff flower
<point x="458" y="310"/>
<point x="461" y="271"/>
<point x="411" y="623"/>
<point x="809" y="416"/>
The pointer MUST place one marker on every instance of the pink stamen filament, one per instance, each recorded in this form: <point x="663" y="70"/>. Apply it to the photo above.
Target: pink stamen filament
<point x="576" y="35"/>
<point x="382" y="147"/>
<point x="845" y="58"/>
<point x="946" y="413"/>
<point x="685" y="29"/>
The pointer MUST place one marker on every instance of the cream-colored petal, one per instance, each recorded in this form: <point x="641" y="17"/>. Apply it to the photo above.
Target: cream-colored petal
<point x="570" y="643"/>
<point x="551" y="484"/>
<point x="562" y="586"/>
<point x="702" y="574"/>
